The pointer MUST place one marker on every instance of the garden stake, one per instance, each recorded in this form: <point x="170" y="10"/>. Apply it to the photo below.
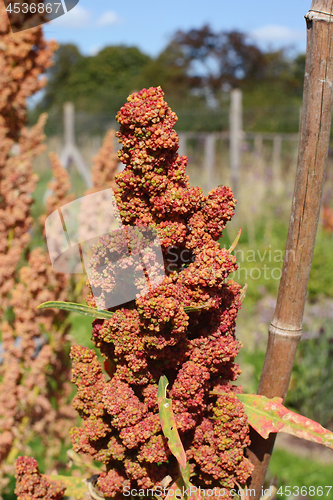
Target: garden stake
<point x="286" y="328"/>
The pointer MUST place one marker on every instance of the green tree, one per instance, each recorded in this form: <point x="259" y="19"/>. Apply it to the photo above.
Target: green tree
<point x="217" y="60"/>
<point x="102" y="82"/>
<point x="65" y="59"/>
<point x="97" y="85"/>
<point x="212" y="63"/>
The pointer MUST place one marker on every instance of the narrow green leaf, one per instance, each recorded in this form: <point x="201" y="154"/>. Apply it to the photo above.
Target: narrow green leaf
<point x="77" y="308"/>
<point x="168" y="423"/>
<point x="234" y="244"/>
<point x="269" y="415"/>
<point x="177" y="485"/>
<point x="183" y="484"/>
<point x="92" y="311"/>
<point x="170" y="431"/>
<point x="270" y="494"/>
<point x="195" y="308"/>
<point x="75" y="487"/>
<point x="243" y="293"/>
<point x="194" y="495"/>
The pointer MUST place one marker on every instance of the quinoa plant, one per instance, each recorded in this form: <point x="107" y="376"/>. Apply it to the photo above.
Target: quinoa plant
<point x="156" y="334"/>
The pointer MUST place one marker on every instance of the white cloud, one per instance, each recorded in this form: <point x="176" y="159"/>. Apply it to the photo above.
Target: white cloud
<point x="275" y="33"/>
<point x="108" y="18"/>
<point x="77" y="18"/>
<point x="93" y="51"/>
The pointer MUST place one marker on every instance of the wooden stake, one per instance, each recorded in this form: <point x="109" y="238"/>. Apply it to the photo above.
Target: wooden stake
<point x="286" y="328"/>
<point x="209" y="160"/>
<point x="276" y="160"/>
<point x="71" y="152"/>
<point x="235" y="126"/>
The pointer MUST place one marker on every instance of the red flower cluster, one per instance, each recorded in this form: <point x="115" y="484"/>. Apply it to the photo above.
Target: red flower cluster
<point x="154" y="334"/>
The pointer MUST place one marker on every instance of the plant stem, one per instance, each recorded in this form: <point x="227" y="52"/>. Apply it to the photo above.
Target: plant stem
<point x="286" y="328"/>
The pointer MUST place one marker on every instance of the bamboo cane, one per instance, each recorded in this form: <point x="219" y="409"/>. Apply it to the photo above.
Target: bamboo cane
<point x="286" y="328"/>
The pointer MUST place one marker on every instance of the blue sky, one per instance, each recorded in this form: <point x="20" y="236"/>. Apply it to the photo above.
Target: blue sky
<point x="149" y="24"/>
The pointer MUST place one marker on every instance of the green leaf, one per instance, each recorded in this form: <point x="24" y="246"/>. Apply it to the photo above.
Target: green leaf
<point x="92" y="311"/>
<point x="168" y="422"/>
<point x="183" y="484"/>
<point x="234" y="244"/>
<point x="270" y="493"/>
<point x="269" y="415"/>
<point x="75" y="486"/>
<point x="195" y="308"/>
<point x="170" y="431"/>
<point x="243" y="293"/>
<point x="77" y="308"/>
<point x="179" y="485"/>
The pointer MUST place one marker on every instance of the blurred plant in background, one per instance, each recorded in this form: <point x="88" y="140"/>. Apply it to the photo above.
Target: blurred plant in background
<point x="24" y="57"/>
<point x="32" y="348"/>
<point x="31" y="484"/>
<point x="311" y="385"/>
<point x="105" y="165"/>
<point x="35" y="388"/>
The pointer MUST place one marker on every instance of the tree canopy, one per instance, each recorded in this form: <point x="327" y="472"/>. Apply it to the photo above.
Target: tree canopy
<point x="196" y="70"/>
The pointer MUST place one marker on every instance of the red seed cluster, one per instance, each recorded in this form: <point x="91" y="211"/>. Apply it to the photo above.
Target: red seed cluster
<point x="155" y="334"/>
<point x="30" y="484"/>
<point x="33" y="347"/>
